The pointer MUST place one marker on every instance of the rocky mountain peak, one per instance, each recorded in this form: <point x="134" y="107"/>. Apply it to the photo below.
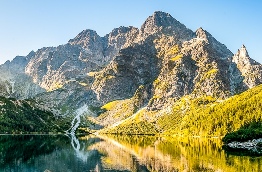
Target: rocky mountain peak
<point x="164" y="23"/>
<point x="157" y="16"/>
<point x="18" y="63"/>
<point x="243" y="52"/>
<point x="222" y="51"/>
<point x="155" y="21"/>
<point x="202" y="34"/>
<point x="248" y="67"/>
<point x="242" y="59"/>
<point x="93" y="45"/>
<point x="160" y="18"/>
<point x="205" y="35"/>
<point x="84" y="38"/>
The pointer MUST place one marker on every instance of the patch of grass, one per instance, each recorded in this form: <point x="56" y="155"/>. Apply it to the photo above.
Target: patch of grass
<point x="177" y="57"/>
<point x="210" y="72"/>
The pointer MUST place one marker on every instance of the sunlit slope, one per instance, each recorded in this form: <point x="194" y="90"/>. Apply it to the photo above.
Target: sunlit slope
<point x="203" y="116"/>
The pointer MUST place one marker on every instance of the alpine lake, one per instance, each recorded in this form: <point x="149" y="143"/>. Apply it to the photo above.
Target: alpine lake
<point x="62" y="153"/>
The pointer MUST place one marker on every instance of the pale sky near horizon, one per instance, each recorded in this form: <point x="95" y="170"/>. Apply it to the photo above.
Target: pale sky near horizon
<point x="27" y="25"/>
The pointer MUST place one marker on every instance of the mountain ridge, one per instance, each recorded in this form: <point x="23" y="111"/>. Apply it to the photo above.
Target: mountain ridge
<point x="152" y="67"/>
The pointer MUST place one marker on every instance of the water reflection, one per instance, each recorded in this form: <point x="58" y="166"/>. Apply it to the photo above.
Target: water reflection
<point x="119" y="153"/>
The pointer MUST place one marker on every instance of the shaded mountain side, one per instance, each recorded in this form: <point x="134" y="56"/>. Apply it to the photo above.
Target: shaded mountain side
<point x="64" y="101"/>
<point x="22" y="116"/>
<point x="205" y="116"/>
<point x="13" y="80"/>
<point x="132" y="67"/>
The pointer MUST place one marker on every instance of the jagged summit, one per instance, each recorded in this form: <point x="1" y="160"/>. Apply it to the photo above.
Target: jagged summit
<point x="161" y="22"/>
<point x="205" y="35"/>
<point x="160" y="18"/>
<point x="84" y="37"/>
<point x="201" y="33"/>
<point x="243" y="51"/>
<point x="242" y="57"/>
<point x="121" y="29"/>
<point x="223" y="51"/>
<point x="248" y="67"/>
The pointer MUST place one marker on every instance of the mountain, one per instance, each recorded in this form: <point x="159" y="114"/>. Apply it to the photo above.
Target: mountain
<point x="131" y="71"/>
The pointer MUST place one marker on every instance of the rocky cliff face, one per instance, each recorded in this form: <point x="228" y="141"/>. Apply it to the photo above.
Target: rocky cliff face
<point x="163" y="56"/>
<point x="53" y="67"/>
<point x="139" y="63"/>
<point x="118" y="39"/>
<point x="249" y="68"/>
<point x="13" y="80"/>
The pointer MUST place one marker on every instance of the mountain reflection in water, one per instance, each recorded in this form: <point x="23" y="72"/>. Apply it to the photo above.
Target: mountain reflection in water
<point x="118" y="153"/>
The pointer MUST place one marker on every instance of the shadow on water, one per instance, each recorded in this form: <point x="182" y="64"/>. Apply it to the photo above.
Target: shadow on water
<point x="119" y="153"/>
<point x="46" y="152"/>
<point x="23" y="148"/>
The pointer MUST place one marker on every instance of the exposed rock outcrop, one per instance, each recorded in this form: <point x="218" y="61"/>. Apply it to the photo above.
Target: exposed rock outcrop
<point x="250" y="145"/>
<point x="249" y="68"/>
<point x="13" y="80"/>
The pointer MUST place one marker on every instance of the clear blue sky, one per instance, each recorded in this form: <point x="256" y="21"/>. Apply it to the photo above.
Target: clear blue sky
<point x="27" y="25"/>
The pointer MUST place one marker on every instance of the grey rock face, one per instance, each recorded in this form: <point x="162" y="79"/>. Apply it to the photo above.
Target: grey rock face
<point x="163" y="23"/>
<point x="135" y="65"/>
<point x="118" y="39"/>
<point x="221" y="50"/>
<point x="251" y="145"/>
<point x="139" y="63"/>
<point x="249" y="68"/>
<point x="13" y="80"/>
<point x="63" y="101"/>
<point x="53" y="67"/>
<point x="212" y="60"/>
<point x="92" y="44"/>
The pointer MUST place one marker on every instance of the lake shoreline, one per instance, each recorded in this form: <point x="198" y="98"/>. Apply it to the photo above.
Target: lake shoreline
<point x="254" y="144"/>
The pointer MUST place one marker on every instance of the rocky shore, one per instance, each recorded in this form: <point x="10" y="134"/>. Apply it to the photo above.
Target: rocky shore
<point x="251" y="145"/>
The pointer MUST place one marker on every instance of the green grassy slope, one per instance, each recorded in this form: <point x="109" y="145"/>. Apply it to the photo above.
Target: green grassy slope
<point x="203" y="116"/>
<point x="18" y="116"/>
<point x="221" y="118"/>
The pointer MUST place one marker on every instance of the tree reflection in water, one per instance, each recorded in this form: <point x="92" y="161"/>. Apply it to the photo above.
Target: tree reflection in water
<point x="119" y="153"/>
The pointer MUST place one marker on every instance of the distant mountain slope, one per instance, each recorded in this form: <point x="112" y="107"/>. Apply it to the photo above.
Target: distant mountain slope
<point x="13" y="80"/>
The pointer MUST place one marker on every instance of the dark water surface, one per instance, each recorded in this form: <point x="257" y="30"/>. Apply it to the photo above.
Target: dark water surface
<point x="39" y="153"/>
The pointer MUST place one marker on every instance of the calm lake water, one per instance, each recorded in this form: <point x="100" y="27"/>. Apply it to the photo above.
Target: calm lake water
<point x="119" y="153"/>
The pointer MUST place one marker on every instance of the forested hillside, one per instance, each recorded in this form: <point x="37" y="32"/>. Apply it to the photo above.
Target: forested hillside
<point x="21" y="116"/>
<point x="204" y="116"/>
